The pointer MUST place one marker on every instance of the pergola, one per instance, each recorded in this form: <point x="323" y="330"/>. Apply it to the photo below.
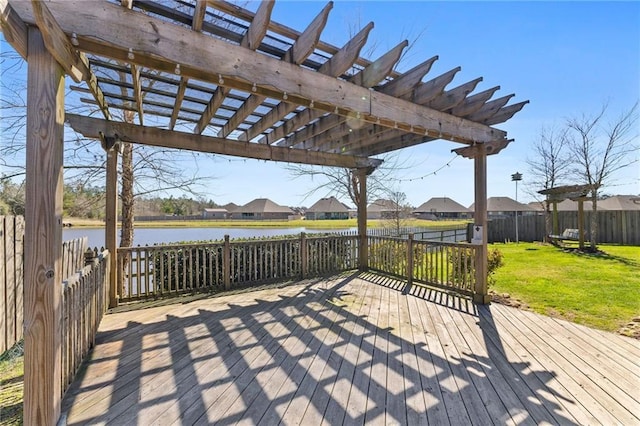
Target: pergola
<point x="243" y="85"/>
<point x="579" y="193"/>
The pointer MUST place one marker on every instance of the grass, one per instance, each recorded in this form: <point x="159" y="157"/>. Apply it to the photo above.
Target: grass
<point x="229" y="223"/>
<point x="11" y="386"/>
<point x="597" y="290"/>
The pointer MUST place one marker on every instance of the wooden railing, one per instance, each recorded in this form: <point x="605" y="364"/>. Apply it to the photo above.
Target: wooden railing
<point x="73" y="256"/>
<point x="440" y="264"/>
<point x="84" y="302"/>
<point x="11" y="280"/>
<point x="170" y="270"/>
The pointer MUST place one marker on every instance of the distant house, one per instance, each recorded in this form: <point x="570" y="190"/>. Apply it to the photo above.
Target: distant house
<point x="262" y="209"/>
<point x="538" y="206"/>
<point x="572" y="206"/>
<point x="230" y="207"/>
<point x="620" y="202"/>
<point x="382" y="209"/>
<point x="441" y="208"/>
<point x="215" y="213"/>
<point x="327" y="208"/>
<point x="505" y="207"/>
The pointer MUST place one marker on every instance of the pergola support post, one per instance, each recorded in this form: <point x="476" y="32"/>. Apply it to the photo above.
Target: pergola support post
<point x="111" y="223"/>
<point x="43" y="235"/>
<point x="481" y="293"/>
<point x="363" y="246"/>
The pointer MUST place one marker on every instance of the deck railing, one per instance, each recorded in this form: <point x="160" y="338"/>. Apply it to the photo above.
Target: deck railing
<point x="440" y="264"/>
<point x="73" y="255"/>
<point x="170" y="270"/>
<point x="85" y="299"/>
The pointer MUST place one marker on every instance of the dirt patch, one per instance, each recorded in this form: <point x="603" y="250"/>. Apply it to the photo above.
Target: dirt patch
<point x="631" y="329"/>
<point x="506" y="299"/>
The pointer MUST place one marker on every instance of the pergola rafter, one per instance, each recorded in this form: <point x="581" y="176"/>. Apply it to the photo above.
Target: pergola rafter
<point x="249" y="86"/>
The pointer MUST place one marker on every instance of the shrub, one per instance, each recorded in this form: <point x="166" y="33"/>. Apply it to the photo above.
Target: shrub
<point x="495" y="259"/>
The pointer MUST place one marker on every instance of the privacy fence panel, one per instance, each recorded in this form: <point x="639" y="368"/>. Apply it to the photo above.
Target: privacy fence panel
<point x="11" y="280"/>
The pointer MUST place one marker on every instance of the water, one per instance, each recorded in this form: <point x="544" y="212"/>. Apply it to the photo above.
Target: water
<point x="150" y="236"/>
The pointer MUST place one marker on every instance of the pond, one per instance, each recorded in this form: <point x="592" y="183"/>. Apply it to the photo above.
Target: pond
<point x="150" y="236"/>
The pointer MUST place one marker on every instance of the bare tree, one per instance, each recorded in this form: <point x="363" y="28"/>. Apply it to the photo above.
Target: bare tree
<point x="549" y="166"/>
<point x="601" y="148"/>
<point x="344" y="183"/>
<point x="398" y="218"/>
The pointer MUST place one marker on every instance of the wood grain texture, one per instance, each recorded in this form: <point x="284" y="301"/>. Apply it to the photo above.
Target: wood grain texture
<point x="43" y="235"/>
<point x="352" y="349"/>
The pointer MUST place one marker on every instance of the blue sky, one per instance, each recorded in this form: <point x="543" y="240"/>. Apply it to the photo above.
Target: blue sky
<point x="567" y="58"/>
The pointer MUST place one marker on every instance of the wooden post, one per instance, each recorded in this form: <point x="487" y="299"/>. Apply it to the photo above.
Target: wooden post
<point x="555" y="219"/>
<point x="363" y="253"/>
<point x="43" y="235"/>
<point x="481" y="294"/>
<point x="304" y="256"/>
<point x="581" y="224"/>
<point x="111" y="223"/>
<point x="226" y="263"/>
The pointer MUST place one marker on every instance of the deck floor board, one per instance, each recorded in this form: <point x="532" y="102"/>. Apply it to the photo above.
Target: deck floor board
<point x="352" y="349"/>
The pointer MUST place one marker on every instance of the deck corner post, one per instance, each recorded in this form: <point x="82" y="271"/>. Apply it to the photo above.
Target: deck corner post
<point x="480" y="238"/>
<point x="43" y="235"/>
<point x="111" y="224"/>
<point x="363" y="252"/>
<point x="226" y="263"/>
<point x="304" y="256"/>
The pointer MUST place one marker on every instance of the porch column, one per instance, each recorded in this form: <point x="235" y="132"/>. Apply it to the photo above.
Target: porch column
<point x="481" y="293"/>
<point x="581" y="223"/>
<point x="111" y="222"/>
<point x="43" y="235"/>
<point x="363" y="247"/>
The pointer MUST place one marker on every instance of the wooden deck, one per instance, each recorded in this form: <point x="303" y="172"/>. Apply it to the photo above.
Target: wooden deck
<point x="352" y="350"/>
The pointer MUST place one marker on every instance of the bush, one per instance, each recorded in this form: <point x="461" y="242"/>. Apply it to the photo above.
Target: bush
<point x="495" y="259"/>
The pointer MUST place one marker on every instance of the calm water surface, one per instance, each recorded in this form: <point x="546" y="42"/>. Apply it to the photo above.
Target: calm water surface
<point x="150" y="236"/>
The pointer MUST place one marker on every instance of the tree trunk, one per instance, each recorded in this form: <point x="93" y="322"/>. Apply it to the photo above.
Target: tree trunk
<point x="548" y="221"/>
<point x="594" y="221"/>
<point x="126" y="195"/>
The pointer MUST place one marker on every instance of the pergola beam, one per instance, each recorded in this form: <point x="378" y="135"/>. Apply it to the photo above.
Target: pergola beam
<point x="251" y="40"/>
<point x="14" y="30"/>
<point x="96" y="128"/>
<point x="161" y="46"/>
<point x="335" y="66"/>
<point x="297" y="54"/>
<point x="368" y="77"/>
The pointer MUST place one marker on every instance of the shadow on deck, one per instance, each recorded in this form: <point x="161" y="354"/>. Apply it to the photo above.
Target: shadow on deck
<point x="352" y="349"/>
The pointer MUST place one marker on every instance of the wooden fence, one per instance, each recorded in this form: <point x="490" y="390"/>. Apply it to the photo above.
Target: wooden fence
<point x="439" y="264"/>
<point x="12" y="276"/>
<point x="11" y="280"/>
<point x="615" y="227"/>
<point x="170" y="270"/>
<point x="85" y="298"/>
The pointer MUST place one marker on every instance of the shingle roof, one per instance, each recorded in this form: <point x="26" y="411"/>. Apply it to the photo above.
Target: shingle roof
<point x="441" y="205"/>
<point x="382" y="205"/>
<point x="263" y="205"/>
<point x="328" y="205"/>
<point x="504" y="204"/>
<point x="620" y="202"/>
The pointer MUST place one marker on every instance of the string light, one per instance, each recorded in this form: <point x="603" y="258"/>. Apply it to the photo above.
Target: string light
<point x="220" y="79"/>
<point x="254" y="88"/>
<point x="74" y="39"/>
<point x="130" y="54"/>
<point x="285" y="96"/>
<point x="433" y="173"/>
<point x="177" y="70"/>
<point x="311" y="104"/>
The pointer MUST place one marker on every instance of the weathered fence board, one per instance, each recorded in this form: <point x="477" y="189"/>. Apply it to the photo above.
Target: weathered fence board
<point x="616" y="227"/>
<point x="73" y="256"/>
<point x="11" y="280"/>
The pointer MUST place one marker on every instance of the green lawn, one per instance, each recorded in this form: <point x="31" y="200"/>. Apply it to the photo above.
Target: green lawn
<point x="11" y="386"/>
<point x="597" y="290"/>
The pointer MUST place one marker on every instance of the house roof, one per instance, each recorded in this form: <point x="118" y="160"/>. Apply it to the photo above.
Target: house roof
<point x="330" y="205"/>
<point x="572" y="206"/>
<point x="216" y="210"/>
<point x="504" y="204"/>
<point x="231" y="207"/>
<point x="381" y="205"/>
<point x="263" y="205"/>
<point x="537" y="205"/>
<point x="620" y="202"/>
<point x="441" y="205"/>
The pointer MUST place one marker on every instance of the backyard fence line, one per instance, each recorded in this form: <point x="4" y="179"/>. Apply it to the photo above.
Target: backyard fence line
<point x="12" y="276"/>
<point x="11" y="280"/>
<point x="614" y="227"/>
<point x="85" y="299"/>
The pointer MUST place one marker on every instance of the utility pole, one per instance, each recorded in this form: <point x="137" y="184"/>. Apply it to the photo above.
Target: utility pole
<point x="516" y="177"/>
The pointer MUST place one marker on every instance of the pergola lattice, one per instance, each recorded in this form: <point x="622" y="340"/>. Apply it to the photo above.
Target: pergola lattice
<point x="240" y="84"/>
